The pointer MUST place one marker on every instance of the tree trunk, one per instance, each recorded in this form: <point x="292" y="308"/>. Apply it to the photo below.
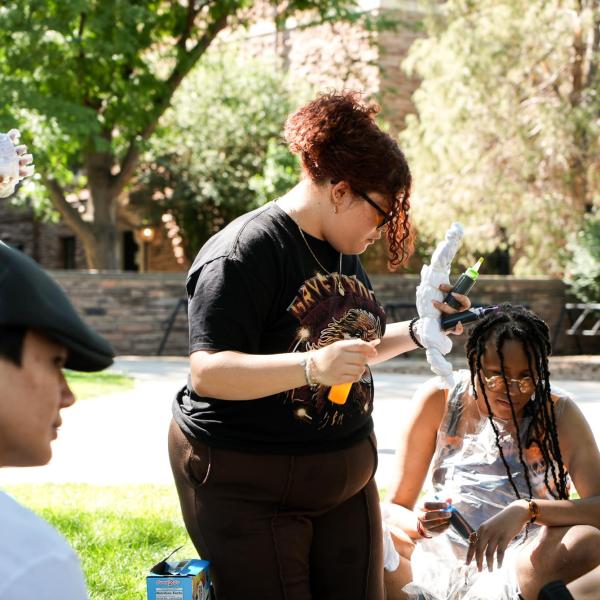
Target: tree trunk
<point x="101" y="244"/>
<point x="578" y="183"/>
<point x="98" y="232"/>
<point x="101" y="248"/>
<point x="99" y="235"/>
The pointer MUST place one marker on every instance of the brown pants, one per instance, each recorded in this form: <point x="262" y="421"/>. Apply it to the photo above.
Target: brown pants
<point x="283" y="527"/>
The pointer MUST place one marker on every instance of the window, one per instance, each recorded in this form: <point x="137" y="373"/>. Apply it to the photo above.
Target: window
<point x="67" y="252"/>
<point x="130" y="249"/>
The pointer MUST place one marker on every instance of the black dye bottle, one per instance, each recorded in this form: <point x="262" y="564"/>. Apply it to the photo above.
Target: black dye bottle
<point x="464" y="284"/>
<point x="467" y="316"/>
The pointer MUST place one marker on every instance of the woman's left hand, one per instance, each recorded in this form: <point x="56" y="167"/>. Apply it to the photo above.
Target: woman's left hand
<point x="494" y="535"/>
<point x="26" y="167"/>
<point x="446" y="309"/>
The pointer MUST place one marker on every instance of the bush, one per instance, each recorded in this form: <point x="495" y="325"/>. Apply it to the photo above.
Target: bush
<point x="583" y="269"/>
<point x="219" y="154"/>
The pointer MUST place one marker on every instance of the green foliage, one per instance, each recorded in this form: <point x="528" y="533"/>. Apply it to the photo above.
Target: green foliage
<point x="280" y="172"/>
<point x="505" y="139"/>
<point x="583" y="268"/>
<point x="222" y="156"/>
<point x="83" y="76"/>
<point x="87" y="82"/>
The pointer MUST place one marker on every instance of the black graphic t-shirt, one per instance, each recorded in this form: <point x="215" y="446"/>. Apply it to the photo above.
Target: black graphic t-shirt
<point x="255" y="287"/>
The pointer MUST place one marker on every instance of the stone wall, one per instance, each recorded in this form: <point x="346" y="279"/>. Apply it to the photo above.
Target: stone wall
<point x="133" y="311"/>
<point x="17" y="227"/>
<point x="160" y="254"/>
<point x="40" y="240"/>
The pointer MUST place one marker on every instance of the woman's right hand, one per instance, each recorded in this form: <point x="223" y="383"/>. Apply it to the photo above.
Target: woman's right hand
<point x="342" y="361"/>
<point x="433" y="517"/>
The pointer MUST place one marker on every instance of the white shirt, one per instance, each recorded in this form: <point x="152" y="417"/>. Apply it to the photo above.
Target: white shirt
<point x="36" y="562"/>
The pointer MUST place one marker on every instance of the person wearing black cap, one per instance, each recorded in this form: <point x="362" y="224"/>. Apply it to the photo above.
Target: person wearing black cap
<point x="40" y="334"/>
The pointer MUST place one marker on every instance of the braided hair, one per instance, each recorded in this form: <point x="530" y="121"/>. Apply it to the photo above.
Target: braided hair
<point x="519" y="324"/>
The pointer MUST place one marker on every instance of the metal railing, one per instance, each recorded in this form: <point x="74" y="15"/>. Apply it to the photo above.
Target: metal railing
<point x="579" y="315"/>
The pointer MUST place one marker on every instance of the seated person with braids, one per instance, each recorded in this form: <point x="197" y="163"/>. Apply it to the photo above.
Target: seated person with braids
<point x="503" y="447"/>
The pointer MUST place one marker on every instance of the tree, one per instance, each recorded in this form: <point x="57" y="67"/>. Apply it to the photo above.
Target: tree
<point x="88" y="82"/>
<point x="506" y="138"/>
<point x="583" y="268"/>
<point x="228" y="156"/>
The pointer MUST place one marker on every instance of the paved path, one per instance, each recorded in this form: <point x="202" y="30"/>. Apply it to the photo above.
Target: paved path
<point x="121" y="439"/>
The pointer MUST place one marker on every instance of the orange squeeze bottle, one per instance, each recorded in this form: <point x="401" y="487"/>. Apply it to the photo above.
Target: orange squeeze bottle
<point x="338" y="394"/>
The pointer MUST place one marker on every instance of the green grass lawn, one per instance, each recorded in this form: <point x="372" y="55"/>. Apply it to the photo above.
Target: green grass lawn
<point x="89" y="385"/>
<point x="119" y="532"/>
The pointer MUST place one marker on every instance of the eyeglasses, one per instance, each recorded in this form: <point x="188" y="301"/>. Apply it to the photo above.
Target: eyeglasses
<point x="383" y="218"/>
<point x="495" y="383"/>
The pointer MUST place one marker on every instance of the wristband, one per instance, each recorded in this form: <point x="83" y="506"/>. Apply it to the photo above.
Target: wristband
<point x="413" y="335"/>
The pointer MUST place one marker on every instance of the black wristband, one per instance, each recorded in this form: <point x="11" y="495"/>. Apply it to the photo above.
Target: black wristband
<point x="412" y="334"/>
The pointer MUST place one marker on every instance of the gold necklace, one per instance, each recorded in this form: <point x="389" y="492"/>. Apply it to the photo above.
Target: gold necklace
<point x="339" y="286"/>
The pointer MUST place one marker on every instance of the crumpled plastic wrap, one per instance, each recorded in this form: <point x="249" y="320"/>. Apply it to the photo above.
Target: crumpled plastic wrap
<point x="436" y="342"/>
<point x="467" y="468"/>
<point x="442" y="574"/>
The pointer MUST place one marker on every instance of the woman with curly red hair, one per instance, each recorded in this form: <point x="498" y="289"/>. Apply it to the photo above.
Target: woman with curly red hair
<point x="274" y="475"/>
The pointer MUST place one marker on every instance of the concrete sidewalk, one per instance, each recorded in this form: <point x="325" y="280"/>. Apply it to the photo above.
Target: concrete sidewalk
<point x="122" y="439"/>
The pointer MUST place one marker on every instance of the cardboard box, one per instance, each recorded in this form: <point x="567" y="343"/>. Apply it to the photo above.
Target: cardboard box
<point x="179" y="580"/>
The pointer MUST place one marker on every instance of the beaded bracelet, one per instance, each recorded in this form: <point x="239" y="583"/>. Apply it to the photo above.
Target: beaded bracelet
<point x="534" y="511"/>
<point x="307" y="364"/>
<point x="413" y="335"/>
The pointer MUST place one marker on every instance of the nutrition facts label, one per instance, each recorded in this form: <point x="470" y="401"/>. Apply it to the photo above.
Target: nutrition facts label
<point x="169" y="594"/>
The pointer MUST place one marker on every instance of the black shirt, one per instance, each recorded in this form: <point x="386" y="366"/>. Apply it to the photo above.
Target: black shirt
<point x="255" y="287"/>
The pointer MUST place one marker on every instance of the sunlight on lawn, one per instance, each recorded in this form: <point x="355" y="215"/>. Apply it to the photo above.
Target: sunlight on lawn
<point x="90" y="385"/>
<point x="118" y="531"/>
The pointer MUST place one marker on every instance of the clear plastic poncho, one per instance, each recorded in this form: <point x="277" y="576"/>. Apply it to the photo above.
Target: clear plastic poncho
<point x="467" y="468"/>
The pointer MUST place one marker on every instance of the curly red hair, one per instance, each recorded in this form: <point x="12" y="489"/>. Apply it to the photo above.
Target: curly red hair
<point x="337" y="139"/>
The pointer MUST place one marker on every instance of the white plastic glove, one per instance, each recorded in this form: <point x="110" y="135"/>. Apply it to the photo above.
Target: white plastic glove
<point x="391" y="558"/>
<point x="428" y="327"/>
<point x="15" y="163"/>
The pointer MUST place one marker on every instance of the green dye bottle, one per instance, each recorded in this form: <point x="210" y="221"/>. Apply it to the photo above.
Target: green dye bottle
<point x="464" y="284"/>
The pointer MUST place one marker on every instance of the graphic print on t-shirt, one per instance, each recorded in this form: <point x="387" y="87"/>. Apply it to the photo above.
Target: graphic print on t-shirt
<point x="330" y="308"/>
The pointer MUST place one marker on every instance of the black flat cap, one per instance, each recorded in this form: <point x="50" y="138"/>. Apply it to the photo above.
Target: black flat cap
<point x="30" y="298"/>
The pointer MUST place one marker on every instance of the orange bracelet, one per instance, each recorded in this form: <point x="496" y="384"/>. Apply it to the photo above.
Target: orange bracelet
<point x="534" y="510"/>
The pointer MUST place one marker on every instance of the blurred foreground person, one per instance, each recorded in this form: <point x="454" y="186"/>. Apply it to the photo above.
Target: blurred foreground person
<point x="40" y="334"/>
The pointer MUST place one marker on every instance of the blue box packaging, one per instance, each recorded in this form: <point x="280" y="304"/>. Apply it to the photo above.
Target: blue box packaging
<point x="179" y="580"/>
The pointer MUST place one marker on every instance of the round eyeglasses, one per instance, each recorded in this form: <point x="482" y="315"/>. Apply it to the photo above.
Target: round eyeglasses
<point x="496" y="383"/>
